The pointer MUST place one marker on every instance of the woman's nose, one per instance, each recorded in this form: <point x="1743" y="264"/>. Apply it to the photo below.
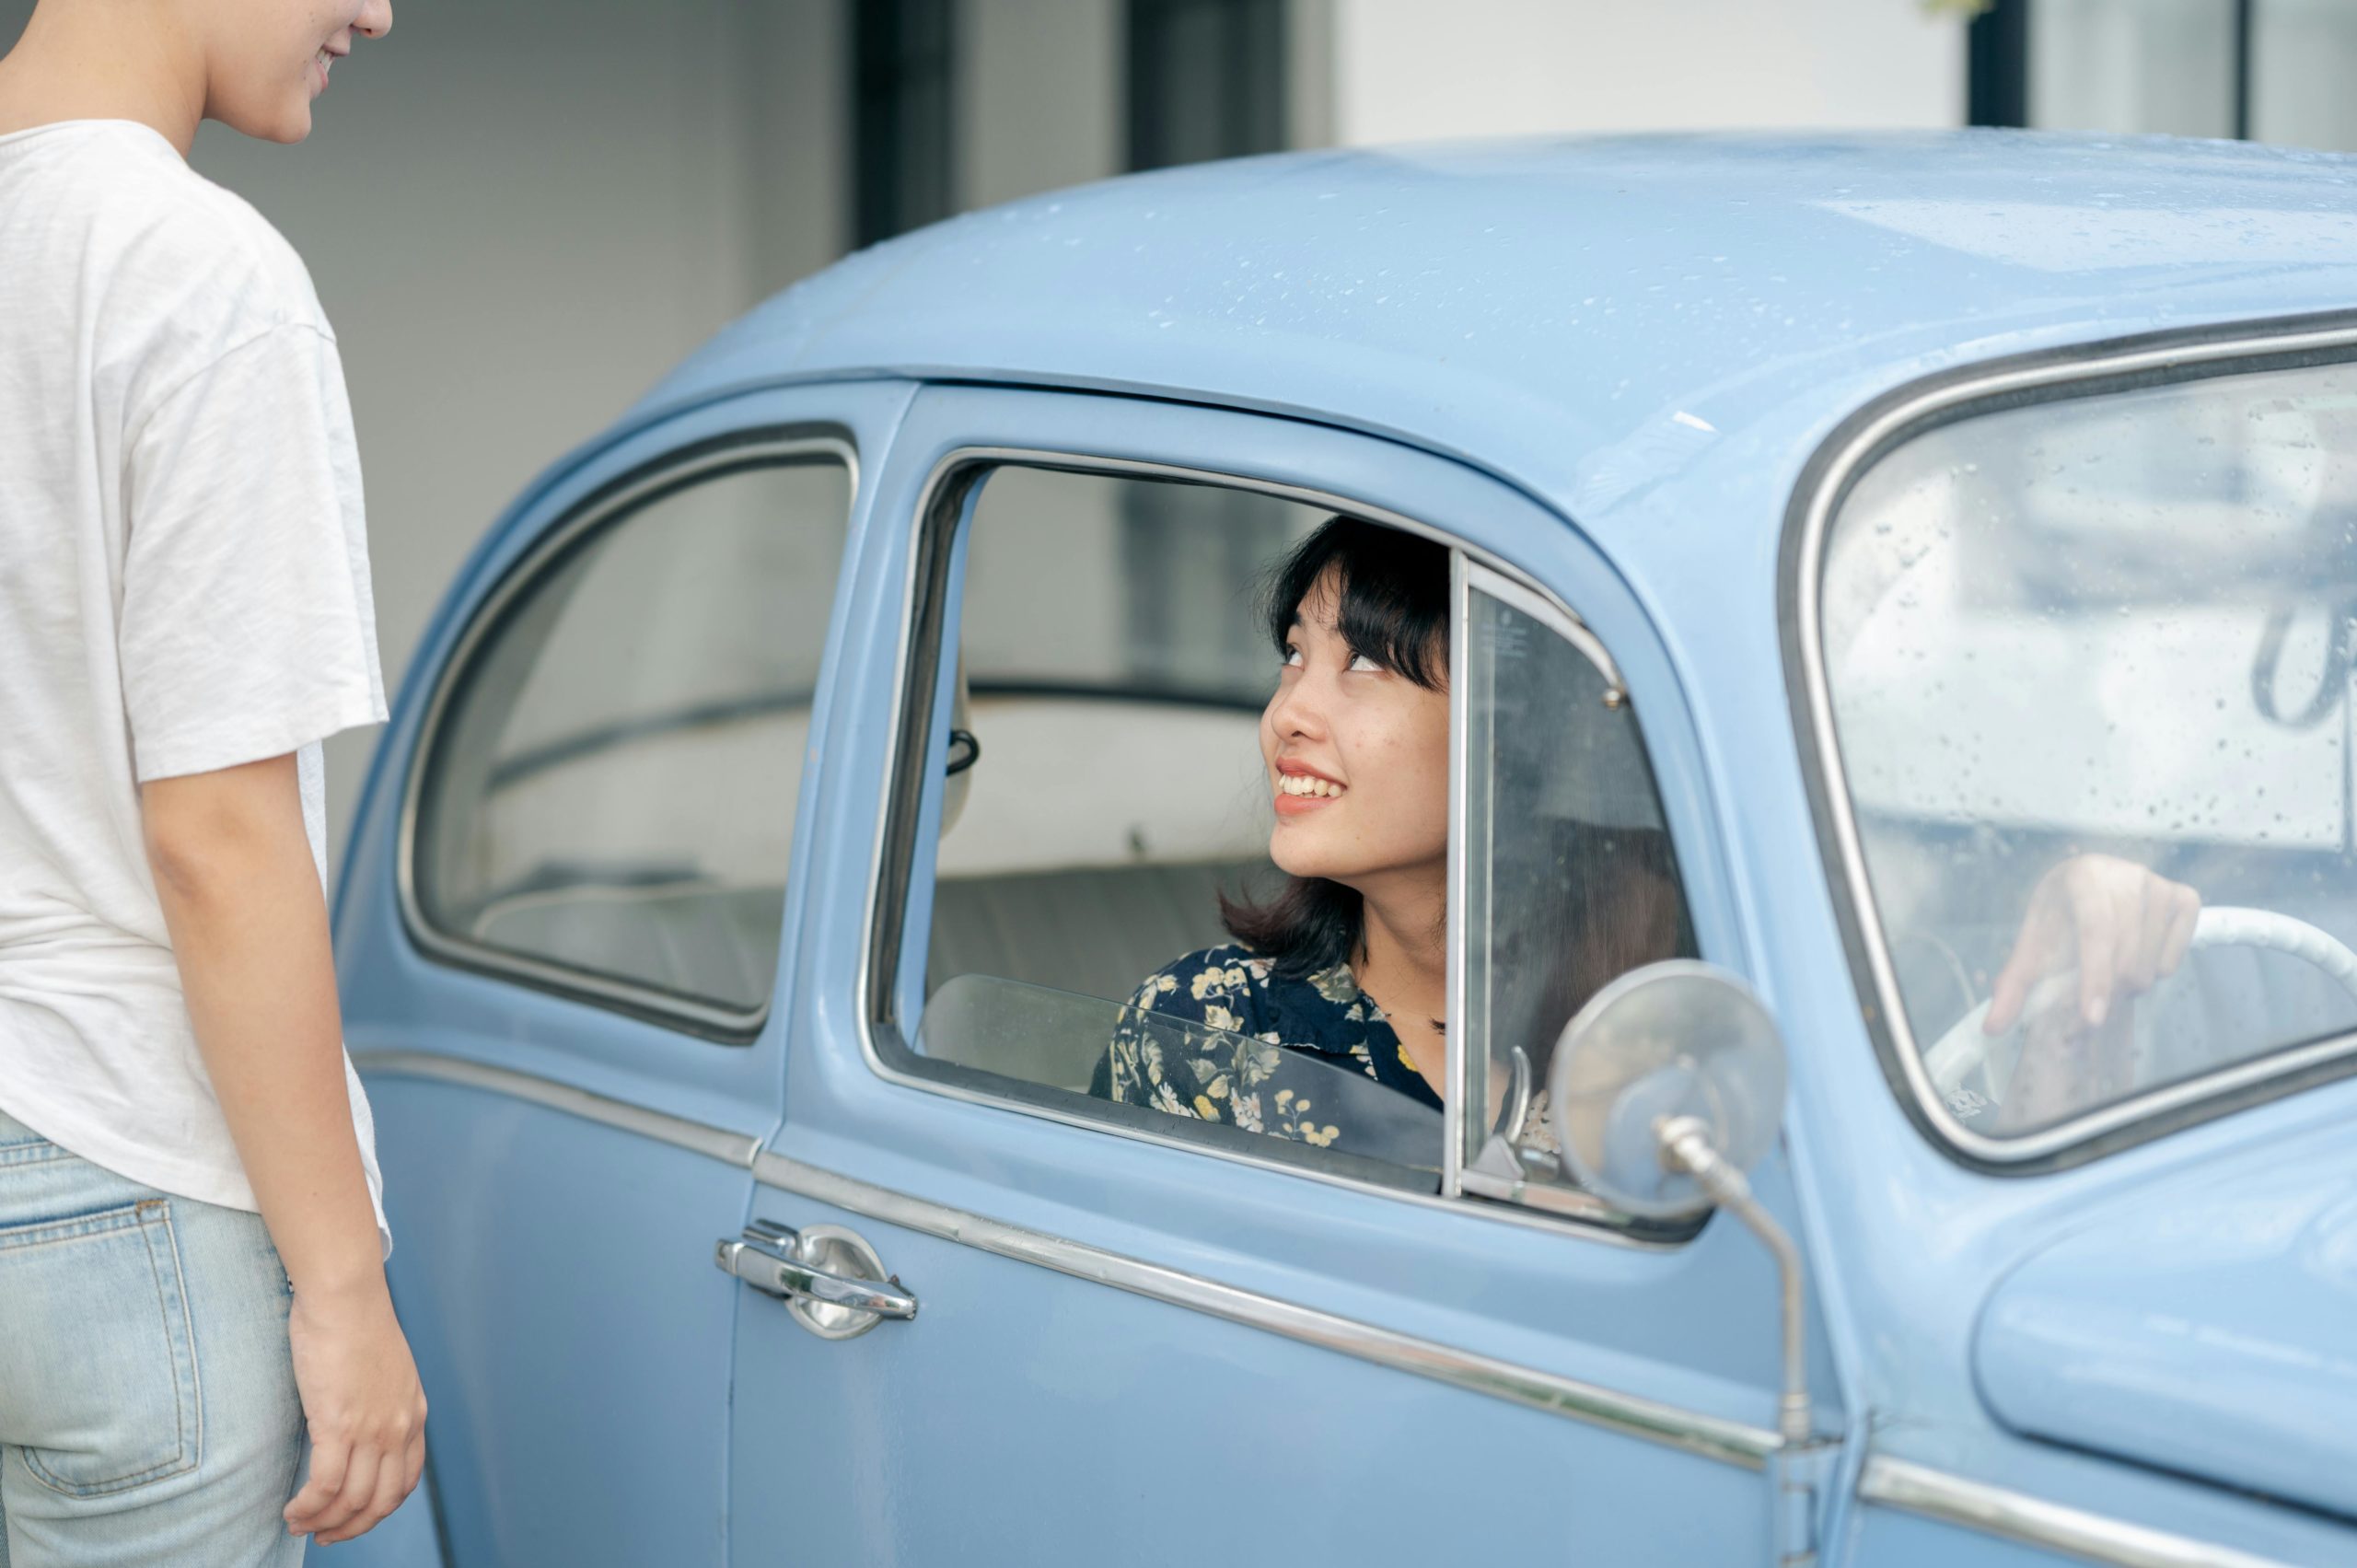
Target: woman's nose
<point x="376" y="18"/>
<point x="1295" y="710"/>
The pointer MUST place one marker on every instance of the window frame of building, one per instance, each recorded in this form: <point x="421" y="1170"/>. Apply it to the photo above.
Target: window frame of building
<point x="2001" y="40"/>
<point x="903" y="116"/>
<point x="612" y="506"/>
<point x="1248" y="82"/>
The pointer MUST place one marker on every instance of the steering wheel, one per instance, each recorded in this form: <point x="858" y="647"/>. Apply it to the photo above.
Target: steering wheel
<point x="1970" y="1068"/>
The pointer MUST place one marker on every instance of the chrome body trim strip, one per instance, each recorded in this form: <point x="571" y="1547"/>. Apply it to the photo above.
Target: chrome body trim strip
<point x="712" y="1143"/>
<point x="952" y="464"/>
<point x="594" y="512"/>
<point x="1709" y="1437"/>
<point x="1864" y="447"/>
<point x="1994" y="1510"/>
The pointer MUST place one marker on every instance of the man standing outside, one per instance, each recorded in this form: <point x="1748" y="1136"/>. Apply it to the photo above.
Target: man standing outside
<point x="191" y="1242"/>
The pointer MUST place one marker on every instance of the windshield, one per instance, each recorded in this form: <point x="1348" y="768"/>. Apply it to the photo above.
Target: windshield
<point x="2089" y="667"/>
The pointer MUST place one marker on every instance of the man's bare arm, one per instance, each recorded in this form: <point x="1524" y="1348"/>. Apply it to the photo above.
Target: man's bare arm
<point x="249" y="925"/>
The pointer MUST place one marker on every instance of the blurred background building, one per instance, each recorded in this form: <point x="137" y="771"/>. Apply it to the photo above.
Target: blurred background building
<point x="521" y="214"/>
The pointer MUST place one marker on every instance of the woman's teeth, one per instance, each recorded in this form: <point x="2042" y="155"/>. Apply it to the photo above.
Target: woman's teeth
<point x="1306" y="783"/>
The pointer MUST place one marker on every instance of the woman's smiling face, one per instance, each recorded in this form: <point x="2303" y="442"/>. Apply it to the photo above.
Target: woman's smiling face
<point x="1357" y="756"/>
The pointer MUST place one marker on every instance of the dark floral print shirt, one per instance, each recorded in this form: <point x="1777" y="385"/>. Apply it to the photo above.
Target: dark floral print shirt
<point x="1251" y="1075"/>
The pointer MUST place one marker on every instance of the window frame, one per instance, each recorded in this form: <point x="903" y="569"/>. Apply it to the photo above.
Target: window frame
<point x="2170" y="358"/>
<point x="944" y="501"/>
<point x="610" y="505"/>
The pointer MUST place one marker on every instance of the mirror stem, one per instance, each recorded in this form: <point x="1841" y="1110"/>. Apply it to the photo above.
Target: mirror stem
<point x="1686" y="1146"/>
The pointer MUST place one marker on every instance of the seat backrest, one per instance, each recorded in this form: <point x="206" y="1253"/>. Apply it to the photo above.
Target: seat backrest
<point x="1094" y="931"/>
<point x="692" y="936"/>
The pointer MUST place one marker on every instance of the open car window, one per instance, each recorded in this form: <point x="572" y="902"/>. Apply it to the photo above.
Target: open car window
<point x="1084" y="785"/>
<point x="1094" y="789"/>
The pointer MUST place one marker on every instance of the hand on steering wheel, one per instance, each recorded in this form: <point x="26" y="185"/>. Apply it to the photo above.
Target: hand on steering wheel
<point x="2122" y="926"/>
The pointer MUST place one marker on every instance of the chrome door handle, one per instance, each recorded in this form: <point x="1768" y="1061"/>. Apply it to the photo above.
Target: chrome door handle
<point x="768" y="1268"/>
<point x="830" y="1280"/>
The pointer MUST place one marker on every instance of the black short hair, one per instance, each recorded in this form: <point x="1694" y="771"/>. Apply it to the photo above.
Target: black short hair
<point x="1392" y="593"/>
<point x="1392" y="606"/>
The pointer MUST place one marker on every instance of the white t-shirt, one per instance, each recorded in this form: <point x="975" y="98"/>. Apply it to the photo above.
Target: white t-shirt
<point x="183" y="587"/>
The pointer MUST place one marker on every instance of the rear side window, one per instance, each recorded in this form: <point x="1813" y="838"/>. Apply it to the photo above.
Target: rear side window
<point x="609" y="797"/>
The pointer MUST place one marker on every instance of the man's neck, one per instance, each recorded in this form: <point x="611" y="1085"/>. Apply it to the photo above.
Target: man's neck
<point x="103" y="63"/>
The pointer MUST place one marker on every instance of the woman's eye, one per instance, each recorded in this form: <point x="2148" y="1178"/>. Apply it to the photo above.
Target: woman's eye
<point x="1365" y="665"/>
<point x="1293" y="659"/>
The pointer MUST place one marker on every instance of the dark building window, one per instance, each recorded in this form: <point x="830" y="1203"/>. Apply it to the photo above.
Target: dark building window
<point x="1206" y="79"/>
<point x="1997" y="58"/>
<point x="2272" y="69"/>
<point x="902" y="80"/>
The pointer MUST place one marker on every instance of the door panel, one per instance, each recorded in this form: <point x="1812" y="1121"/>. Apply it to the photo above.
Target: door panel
<point x="576" y="1403"/>
<point x="1039" y="1414"/>
<point x="560" y="1152"/>
<point x="1027" y="1417"/>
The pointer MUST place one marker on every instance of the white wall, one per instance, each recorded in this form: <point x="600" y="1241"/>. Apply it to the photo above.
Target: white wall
<point x="1407" y="70"/>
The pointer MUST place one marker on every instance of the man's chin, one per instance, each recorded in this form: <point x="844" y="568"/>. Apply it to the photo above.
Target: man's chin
<point x="286" y="126"/>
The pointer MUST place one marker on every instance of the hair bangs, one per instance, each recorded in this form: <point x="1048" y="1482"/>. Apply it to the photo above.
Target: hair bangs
<point x="1391" y="594"/>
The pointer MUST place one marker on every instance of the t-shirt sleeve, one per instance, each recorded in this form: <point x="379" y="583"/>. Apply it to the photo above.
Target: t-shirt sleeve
<point x="248" y="627"/>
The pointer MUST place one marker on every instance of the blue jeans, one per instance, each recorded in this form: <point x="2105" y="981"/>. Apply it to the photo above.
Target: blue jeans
<point x="147" y="1404"/>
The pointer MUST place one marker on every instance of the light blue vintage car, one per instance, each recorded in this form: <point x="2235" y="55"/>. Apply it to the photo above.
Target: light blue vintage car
<point x="1845" y="534"/>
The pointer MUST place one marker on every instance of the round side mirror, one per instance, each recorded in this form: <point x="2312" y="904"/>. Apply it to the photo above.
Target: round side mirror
<point x="1673" y="1039"/>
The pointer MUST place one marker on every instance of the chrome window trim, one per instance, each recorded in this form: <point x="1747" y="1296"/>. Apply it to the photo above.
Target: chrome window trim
<point x="706" y="460"/>
<point x="1996" y="1510"/>
<point x="1564" y="623"/>
<point x="1710" y="1437"/>
<point x="1874" y="434"/>
<point x="1455" y="1130"/>
<point x="714" y="1142"/>
<point x="953" y="465"/>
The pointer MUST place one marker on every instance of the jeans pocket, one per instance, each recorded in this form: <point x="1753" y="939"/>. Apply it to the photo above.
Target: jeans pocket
<point x="97" y="1368"/>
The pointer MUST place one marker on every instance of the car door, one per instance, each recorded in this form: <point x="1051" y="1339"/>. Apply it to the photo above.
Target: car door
<point x="574" y="874"/>
<point x="1110" y="1335"/>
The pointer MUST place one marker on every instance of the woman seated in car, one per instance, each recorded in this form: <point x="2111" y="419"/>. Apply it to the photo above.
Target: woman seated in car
<point x="1348" y="964"/>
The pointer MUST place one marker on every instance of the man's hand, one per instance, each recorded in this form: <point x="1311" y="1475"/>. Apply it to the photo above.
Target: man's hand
<point x="2123" y="926"/>
<point x="364" y="1408"/>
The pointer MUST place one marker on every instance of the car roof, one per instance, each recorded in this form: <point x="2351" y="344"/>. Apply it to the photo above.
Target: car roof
<point x="1593" y="318"/>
